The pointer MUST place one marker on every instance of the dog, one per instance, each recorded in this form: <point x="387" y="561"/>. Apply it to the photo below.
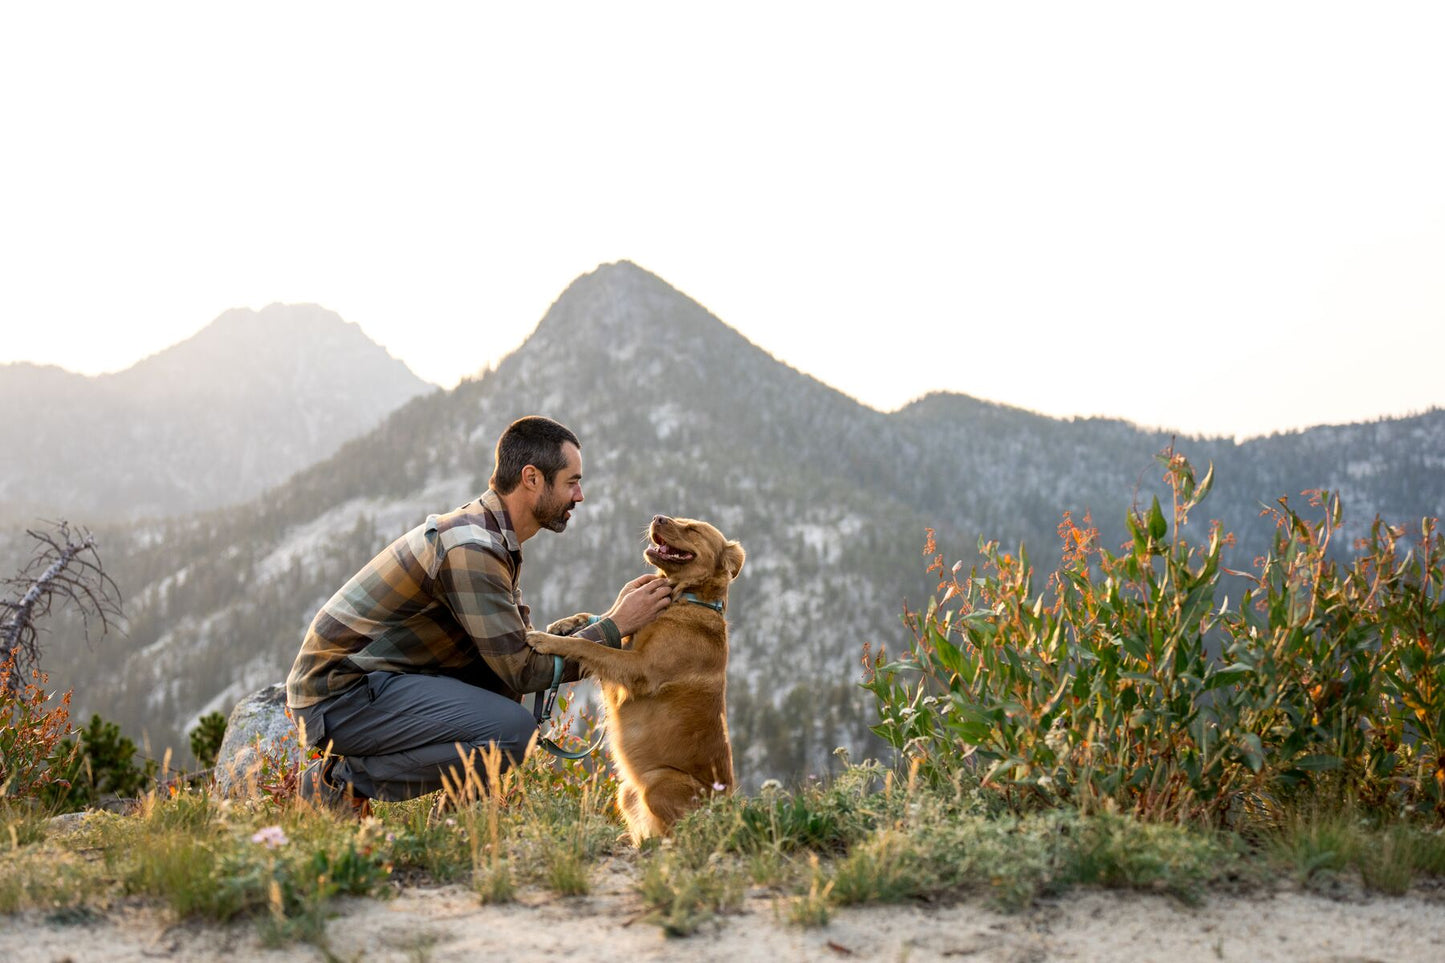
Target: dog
<point x="665" y="690"/>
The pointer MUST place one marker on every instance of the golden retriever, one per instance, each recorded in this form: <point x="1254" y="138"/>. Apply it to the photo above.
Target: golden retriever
<point x="666" y="689"/>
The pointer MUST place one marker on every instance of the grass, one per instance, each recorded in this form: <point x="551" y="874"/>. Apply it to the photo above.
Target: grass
<point x="1319" y="843"/>
<point x="866" y="836"/>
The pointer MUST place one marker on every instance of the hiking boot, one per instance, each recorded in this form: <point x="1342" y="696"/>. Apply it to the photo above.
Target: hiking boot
<point x="316" y="786"/>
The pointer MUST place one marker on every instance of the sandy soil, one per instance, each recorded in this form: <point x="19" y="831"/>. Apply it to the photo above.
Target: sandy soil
<point x="446" y="923"/>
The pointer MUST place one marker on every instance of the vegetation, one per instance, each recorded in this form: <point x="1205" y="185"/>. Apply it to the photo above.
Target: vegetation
<point x="96" y="765"/>
<point x="1126" y="726"/>
<point x="31" y="728"/>
<point x="1131" y="679"/>
<point x="206" y="738"/>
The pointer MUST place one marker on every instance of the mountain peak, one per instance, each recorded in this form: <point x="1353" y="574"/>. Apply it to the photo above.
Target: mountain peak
<point x="236" y="407"/>
<point x="278" y="314"/>
<point x="620" y="309"/>
<point x="250" y="343"/>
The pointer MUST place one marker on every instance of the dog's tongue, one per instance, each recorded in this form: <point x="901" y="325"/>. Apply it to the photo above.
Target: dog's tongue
<point x="665" y="549"/>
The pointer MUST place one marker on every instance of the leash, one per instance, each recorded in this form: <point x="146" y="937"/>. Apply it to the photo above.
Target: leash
<point x="542" y="703"/>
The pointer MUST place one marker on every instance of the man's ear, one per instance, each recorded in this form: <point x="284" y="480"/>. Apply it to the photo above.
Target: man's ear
<point x="531" y="476"/>
<point x="732" y="558"/>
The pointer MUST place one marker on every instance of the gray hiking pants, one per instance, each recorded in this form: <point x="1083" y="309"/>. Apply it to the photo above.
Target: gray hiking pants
<point x="398" y="733"/>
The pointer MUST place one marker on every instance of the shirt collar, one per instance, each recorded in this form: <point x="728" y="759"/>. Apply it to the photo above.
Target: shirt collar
<point x="492" y="502"/>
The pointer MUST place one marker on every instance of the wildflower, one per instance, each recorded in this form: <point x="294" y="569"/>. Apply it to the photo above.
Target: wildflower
<point x="718" y="787"/>
<point x="370" y="831"/>
<point x="772" y="785"/>
<point x="1057" y="739"/>
<point x="451" y="823"/>
<point x="271" y="837"/>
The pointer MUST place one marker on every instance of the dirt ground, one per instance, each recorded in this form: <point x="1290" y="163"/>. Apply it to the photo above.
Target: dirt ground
<point x="447" y="923"/>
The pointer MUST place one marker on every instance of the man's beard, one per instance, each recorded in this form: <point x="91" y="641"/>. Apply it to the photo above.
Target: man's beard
<point x="552" y="515"/>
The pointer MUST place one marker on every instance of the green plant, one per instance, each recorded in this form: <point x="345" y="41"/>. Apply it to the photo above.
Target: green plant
<point x="884" y="868"/>
<point x="682" y="898"/>
<point x="281" y="762"/>
<point x="565" y="830"/>
<point x="430" y="846"/>
<point x="99" y="762"/>
<point x="206" y="738"/>
<point x="813" y="907"/>
<point x="1105" y="686"/>
<point x="1351" y="656"/>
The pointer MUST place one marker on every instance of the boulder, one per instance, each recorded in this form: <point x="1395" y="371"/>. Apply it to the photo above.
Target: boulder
<point x="261" y="745"/>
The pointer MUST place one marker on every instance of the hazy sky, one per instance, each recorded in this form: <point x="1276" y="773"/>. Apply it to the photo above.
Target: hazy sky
<point x="1222" y="218"/>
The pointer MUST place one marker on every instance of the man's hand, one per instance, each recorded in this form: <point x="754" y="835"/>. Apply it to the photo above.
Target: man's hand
<point x="640" y="601"/>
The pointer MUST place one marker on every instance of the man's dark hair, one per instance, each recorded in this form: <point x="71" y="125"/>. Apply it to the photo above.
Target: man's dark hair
<point x="534" y="441"/>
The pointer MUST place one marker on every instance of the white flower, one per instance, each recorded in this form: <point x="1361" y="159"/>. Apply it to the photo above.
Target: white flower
<point x="1057" y="739"/>
<point x="271" y="837"/>
<point x="718" y="787"/>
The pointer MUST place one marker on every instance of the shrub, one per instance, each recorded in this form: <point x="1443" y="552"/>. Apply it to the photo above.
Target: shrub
<point x="30" y="734"/>
<point x="206" y="738"/>
<point x="99" y="762"/>
<point x="1106" y="685"/>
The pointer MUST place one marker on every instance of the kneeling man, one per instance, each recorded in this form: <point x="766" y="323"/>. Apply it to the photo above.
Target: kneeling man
<point x="426" y="647"/>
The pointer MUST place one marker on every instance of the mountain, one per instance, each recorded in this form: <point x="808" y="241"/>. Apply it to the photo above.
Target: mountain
<point x="679" y="414"/>
<point x="245" y="403"/>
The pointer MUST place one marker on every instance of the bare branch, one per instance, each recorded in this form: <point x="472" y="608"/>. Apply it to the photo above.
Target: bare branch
<point x="65" y="566"/>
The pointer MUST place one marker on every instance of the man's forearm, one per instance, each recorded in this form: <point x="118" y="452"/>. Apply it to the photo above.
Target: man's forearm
<point x="603" y="631"/>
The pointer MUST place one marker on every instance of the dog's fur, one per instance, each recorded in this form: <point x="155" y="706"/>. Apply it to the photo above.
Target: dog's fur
<point x="666" y="688"/>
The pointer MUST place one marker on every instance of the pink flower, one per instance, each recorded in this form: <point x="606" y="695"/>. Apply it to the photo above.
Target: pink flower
<point x="271" y="837"/>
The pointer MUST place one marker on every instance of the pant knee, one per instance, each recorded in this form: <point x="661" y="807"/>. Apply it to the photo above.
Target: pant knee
<point x="511" y="734"/>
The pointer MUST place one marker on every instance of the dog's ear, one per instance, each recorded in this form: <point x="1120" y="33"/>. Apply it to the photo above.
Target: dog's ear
<point x="732" y="558"/>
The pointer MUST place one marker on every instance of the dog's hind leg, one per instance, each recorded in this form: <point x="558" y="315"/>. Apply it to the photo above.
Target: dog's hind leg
<point x="666" y="795"/>
<point x="641" y="824"/>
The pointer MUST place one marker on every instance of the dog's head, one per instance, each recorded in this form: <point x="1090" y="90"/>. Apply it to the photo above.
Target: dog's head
<point x="692" y="553"/>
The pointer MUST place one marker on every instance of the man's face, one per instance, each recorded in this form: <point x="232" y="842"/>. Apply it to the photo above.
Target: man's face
<point x="555" y="503"/>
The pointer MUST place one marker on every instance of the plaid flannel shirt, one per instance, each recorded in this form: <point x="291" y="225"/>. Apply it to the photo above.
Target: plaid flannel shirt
<point x="443" y="599"/>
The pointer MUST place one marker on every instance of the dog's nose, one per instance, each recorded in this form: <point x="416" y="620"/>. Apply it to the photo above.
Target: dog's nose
<point x="660" y="519"/>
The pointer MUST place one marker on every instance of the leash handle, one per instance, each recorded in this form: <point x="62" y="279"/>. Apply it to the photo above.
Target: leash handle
<point x="551" y="698"/>
<point x="542" y="704"/>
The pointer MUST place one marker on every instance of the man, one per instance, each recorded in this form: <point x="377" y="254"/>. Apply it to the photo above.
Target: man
<point x="425" y="649"/>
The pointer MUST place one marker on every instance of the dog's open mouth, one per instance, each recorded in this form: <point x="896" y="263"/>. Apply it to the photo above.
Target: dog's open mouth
<point x="667" y="553"/>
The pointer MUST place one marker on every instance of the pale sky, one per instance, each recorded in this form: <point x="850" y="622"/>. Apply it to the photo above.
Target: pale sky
<point x="1224" y="218"/>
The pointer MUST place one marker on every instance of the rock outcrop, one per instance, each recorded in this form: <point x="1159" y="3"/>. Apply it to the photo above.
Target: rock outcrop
<point x="261" y="744"/>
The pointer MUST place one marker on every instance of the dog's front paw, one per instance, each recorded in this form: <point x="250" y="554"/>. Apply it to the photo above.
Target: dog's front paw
<point x="569" y="625"/>
<point x="545" y="644"/>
